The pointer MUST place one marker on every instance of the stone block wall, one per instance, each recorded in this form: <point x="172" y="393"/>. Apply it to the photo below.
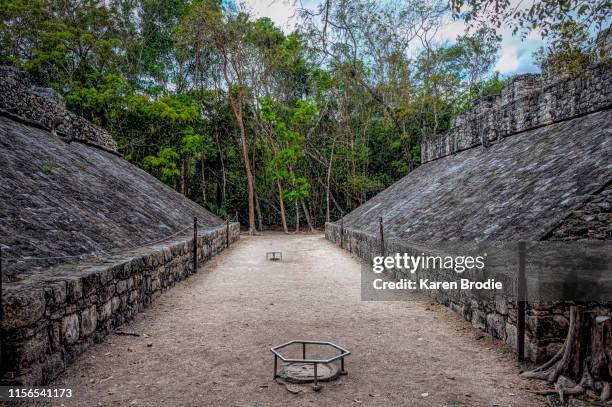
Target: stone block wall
<point x="50" y="319"/>
<point x="546" y="324"/>
<point x="592" y="221"/>
<point x="47" y="108"/>
<point x="525" y="103"/>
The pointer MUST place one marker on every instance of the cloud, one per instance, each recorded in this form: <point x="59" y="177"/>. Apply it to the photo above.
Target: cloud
<point x="508" y="60"/>
<point x="450" y="30"/>
<point x="515" y="56"/>
<point x="282" y="12"/>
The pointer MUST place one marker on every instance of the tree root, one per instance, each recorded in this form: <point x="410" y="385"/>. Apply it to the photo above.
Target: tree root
<point x="549" y="371"/>
<point x="606" y="395"/>
<point x="567" y="387"/>
<point x="585" y="354"/>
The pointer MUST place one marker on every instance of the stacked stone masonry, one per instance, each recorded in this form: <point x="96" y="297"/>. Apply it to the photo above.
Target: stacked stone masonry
<point x="546" y="324"/>
<point x="47" y="108"/>
<point x="527" y="102"/>
<point x="51" y="319"/>
<point x="64" y="202"/>
<point x="593" y="220"/>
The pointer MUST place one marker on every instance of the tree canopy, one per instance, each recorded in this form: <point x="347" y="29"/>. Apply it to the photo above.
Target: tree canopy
<point x="254" y="122"/>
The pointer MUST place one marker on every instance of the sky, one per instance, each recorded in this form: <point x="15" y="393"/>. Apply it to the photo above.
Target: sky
<point x="515" y="56"/>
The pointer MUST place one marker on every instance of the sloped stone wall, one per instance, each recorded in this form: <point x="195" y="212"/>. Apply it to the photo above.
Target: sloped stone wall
<point x="525" y="103"/>
<point x="50" y="320"/>
<point x="62" y="203"/>
<point x="449" y="199"/>
<point x="545" y="323"/>
<point x="47" y="108"/>
<point x="593" y="220"/>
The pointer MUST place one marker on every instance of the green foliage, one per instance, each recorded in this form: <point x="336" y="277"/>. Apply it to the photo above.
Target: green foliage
<point x="569" y="55"/>
<point x="163" y="165"/>
<point x="49" y="166"/>
<point x="180" y="83"/>
<point x="547" y="16"/>
<point x="193" y="144"/>
<point x="290" y="141"/>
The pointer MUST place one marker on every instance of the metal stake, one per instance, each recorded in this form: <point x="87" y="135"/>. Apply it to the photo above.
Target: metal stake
<point x="275" y="366"/>
<point x="1" y="320"/>
<point x="316" y="386"/>
<point x="227" y="233"/>
<point x="195" y="244"/>
<point x="342" y="371"/>
<point x="521" y="305"/>
<point x="382" y="236"/>
<point x="342" y="232"/>
<point x="304" y="351"/>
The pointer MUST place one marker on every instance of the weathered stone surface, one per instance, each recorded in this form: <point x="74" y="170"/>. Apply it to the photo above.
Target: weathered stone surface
<point x="48" y="108"/>
<point x="479" y="319"/>
<point x="55" y="333"/>
<point x="74" y="289"/>
<point x="551" y="182"/>
<point x="519" y="188"/>
<point x="496" y="325"/>
<point x="30" y="376"/>
<point x="116" y="303"/>
<point x="511" y="334"/>
<point x="86" y="201"/>
<point x="23" y="306"/>
<point x="47" y="342"/>
<point x="59" y="292"/>
<point x="27" y="351"/>
<point x="97" y="241"/>
<point x="70" y="328"/>
<point x="501" y="306"/>
<point x="593" y="220"/>
<point x="121" y="286"/>
<point x="52" y="367"/>
<point x="105" y="311"/>
<point x="89" y="320"/>
<point x="527" y="102"/>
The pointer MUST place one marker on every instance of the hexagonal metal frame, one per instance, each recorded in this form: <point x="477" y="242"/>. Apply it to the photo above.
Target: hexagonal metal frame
<point x="316" y="386"/>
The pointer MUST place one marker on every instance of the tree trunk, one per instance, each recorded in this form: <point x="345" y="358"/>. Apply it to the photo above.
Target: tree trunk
<point x="236" y="106"/>
<point x="307" y="215"/>
<point x="203" y="180"/>
<point x="281" y="197"/>
<point x="257" y="207"/>
<point x="223" y="181"/>
<point x="329" y="168"/>
<point x="247" y="163"/>
<point x="282" y="206"/>
<point x="183" y="175"/>
<point x="297" y="217"/>
<point x="251" y="188"/>
<point x="336" y="204"/>
<point x="258" y="210"/>
<point x="584" y="363"/>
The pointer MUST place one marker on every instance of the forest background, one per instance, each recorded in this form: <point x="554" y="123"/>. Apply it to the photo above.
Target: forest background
<point x="270" y="128"/>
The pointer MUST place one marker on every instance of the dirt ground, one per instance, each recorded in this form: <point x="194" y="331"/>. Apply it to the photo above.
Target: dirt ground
<point x="206" y="342"/>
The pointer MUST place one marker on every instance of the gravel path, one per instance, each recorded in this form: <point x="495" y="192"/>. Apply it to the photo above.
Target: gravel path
<point x="206" y="342"/>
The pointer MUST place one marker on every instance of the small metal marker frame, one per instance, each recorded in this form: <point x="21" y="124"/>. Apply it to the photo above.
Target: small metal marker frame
<point x="316" y="386"/>
<point x="274" y="256"/>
